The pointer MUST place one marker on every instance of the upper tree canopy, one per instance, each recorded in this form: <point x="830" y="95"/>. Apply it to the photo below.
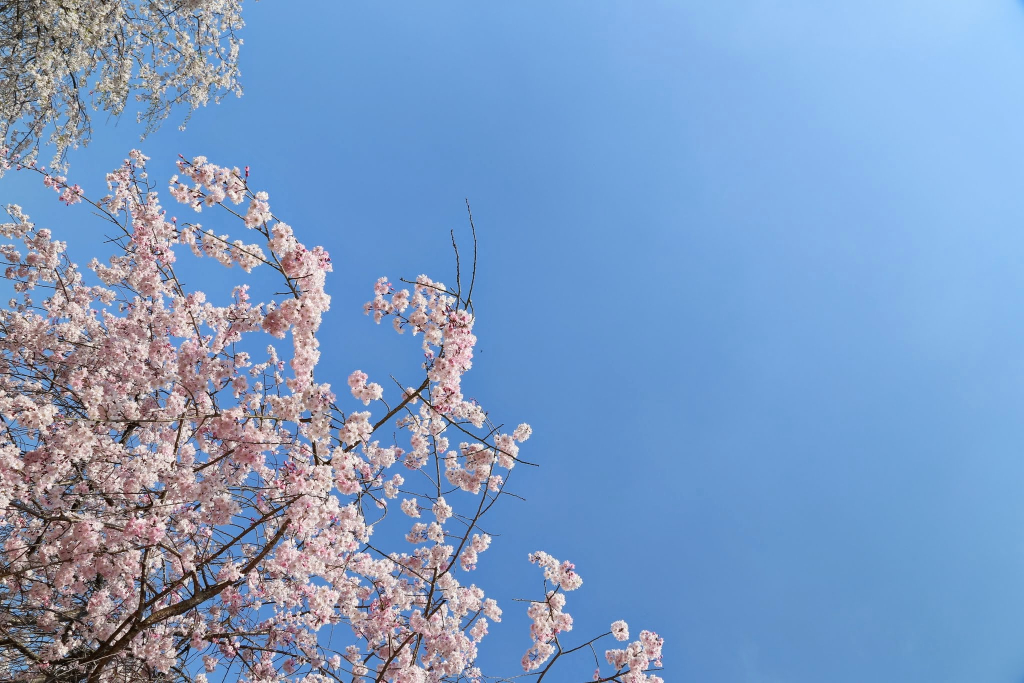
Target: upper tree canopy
<point x="61" y="58"/>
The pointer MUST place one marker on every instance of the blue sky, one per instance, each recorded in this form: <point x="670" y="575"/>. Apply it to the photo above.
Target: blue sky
<point x="751" y="269"/>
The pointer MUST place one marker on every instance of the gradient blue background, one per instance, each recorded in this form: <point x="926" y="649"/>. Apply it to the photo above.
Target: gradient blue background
<point x="751" y="269"/>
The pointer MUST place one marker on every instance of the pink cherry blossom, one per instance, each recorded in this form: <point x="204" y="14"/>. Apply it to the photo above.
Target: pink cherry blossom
<point x="181" y="491"/>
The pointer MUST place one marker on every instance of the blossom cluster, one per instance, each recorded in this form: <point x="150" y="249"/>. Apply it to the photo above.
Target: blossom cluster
<point x="637" y="658"/>
<point x="180" y="497"/>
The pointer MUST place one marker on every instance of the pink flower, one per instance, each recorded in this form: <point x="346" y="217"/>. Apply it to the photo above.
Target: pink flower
<point x="522" y="432"/>
<point x="410" y="507"/>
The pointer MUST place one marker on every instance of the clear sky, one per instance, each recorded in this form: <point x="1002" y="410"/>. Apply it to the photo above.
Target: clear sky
<point x="750" y="268"/>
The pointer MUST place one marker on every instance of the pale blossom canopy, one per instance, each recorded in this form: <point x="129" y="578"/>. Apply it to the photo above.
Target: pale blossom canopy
<point x="61" y="60"/>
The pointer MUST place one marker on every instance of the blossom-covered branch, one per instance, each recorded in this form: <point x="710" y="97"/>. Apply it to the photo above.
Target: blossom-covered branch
<point x="181" y="500"/>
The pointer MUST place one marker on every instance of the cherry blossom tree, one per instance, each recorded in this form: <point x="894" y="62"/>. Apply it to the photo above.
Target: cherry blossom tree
<point x="182" y="498"/>
<point x="60" y="59"/>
